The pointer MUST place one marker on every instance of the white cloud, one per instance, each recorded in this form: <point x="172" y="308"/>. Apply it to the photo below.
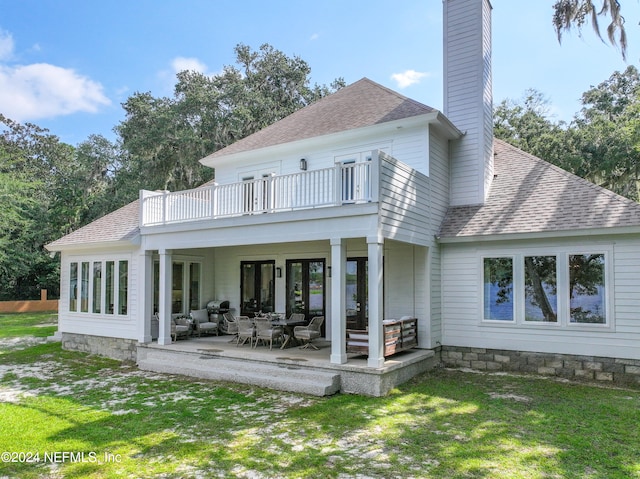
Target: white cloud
<point x="408" y="78"/>
<point x="192" y="64"/>
<point x="6" y="45"/>
<point x="41" y="90"/>
<point x="315" y="36"/>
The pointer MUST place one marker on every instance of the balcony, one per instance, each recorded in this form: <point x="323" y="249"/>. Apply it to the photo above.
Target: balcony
<point x="342" y="184"/>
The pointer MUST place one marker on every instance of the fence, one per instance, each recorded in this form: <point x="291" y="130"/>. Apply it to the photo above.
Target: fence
<point x="30" y="306"/>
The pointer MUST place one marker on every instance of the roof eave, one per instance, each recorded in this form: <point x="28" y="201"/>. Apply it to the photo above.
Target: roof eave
<point x="134" y="241"/>
<point x="607" y="231"/>
<point x="435" y="117"/>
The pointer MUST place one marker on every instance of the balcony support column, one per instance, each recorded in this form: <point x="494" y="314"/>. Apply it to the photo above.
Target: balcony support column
<point x="338" y="301"/>
<point x="164" y="307"/>
<point x="375" y="248"/>
<point x="145" y="292"/>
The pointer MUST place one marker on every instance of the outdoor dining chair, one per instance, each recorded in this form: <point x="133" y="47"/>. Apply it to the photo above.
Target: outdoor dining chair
<point x="229" y="324"/>
<point x="266" y="331"/>
<point x="307" y="334"/>
<point x="246" y="330"/>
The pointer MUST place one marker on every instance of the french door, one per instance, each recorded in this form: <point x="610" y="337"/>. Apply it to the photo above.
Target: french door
<point x="257" y="287"/>
<point x="357" y="293"/>
<point x="306" y="287"/>
<point x="256" y="194"/>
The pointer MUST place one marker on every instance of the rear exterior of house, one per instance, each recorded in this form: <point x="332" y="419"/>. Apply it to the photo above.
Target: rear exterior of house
<point x="368" y="206"/>
<point x="351" y="237"/>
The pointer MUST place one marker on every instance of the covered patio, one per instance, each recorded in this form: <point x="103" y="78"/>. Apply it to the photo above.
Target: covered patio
<point x="356" y="260"/>
<point x="292" y="369"/>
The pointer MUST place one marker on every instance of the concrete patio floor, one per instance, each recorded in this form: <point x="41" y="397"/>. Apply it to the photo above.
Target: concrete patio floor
<point x="292" y="369"/>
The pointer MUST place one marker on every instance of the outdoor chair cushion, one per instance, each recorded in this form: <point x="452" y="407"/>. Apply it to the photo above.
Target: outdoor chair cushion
<point x="202" y="322"/>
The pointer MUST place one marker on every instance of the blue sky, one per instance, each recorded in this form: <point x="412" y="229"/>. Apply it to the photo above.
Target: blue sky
<point x="67" y="65"/>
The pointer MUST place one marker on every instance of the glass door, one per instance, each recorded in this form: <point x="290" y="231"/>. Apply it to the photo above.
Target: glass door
<point x="248" y="195"/>
<point x="306" y="287"/>
<point x="257" y="291"/>
<point x="357" y="293"/>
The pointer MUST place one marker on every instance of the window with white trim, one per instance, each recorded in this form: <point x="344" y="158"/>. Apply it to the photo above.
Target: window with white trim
<point x="99" y="287"/>
<point x="567" y="289"/>
<point x="540" y="289"/>
<point x="498" y="289"/>
<point x="587" y="303"/>
<point x="186" y="285"/>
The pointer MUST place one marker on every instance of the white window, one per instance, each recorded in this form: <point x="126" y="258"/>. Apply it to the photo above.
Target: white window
<point x="567" y="289"/>
<point x="498" y="289"/>
<point x="586" y="289"/>
<point x="186" y="285"/>
<point x="101" y="286"/>
<point x="355" y="177"/>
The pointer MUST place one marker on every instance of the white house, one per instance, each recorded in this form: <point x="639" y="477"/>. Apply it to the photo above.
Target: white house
<point x="366" y="206"/>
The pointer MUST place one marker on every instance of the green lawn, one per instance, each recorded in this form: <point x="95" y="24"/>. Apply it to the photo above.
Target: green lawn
<point x="39" y="325"/>
<point x="112" y="420"/>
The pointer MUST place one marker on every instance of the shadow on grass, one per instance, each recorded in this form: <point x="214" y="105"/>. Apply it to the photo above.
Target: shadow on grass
<point x="442" y="424"/>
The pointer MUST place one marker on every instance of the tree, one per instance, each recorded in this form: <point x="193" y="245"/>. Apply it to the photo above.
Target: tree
<point x="526" y="125"/>
<point x="85" y="190"/>
<point x="163" y="138"/>
<point x="601" y="144"/>
<point x="30" y="159"/>
<point x="604" y="138"/>
<point x="47" y="189"/>
<point x="575" y="13"/>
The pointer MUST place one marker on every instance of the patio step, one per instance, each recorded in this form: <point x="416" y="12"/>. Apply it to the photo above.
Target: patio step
<point x="283" y="376"/>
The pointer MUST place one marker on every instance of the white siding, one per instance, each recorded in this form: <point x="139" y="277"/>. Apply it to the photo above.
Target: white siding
<point x="439" y="196"/>
<point x="405" y="209"/>
<point x="109" y="325"/>
<point x="468" y="97"/>
<point x="409" y="145"/>
<point x="462" y="280"/>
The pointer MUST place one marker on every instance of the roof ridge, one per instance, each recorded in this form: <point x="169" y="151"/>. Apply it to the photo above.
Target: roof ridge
<point x="360" y="104"/>
<point x="389" y="90"/>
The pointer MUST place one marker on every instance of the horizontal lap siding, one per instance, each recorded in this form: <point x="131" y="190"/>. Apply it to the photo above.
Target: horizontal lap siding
<point x="438" y="203"/>
<point x="627" y="286"/>
<point x="462" y="291"/>
<point x="99" y="324"/>
<point x="468" y="98"/>
<point x="399" y="274"/>
<point x="404" y="204"/>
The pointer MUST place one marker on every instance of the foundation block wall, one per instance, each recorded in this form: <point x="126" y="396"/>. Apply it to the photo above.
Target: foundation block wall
<point x="115" y="348"/>
<point x="592" y="368"/>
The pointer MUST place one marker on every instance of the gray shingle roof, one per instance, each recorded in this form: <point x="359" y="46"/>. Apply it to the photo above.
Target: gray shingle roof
<point x="363" y="103"/>
<point x="529" y="195"/>
<point x="120" y="226"/>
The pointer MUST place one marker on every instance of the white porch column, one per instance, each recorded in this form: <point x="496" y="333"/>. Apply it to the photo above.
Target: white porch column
<point x="376" y="291"/>
<point x="338" y="301"/>
<point x="164" y="306"/>
<point x="145" y="295"/>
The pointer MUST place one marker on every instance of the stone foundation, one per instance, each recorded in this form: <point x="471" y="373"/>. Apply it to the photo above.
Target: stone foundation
<point x="592" y="368"/>
<point x="115" y="348"/>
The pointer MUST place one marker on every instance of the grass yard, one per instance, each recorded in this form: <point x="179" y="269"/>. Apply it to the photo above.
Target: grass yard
<point x="112" y="420"/>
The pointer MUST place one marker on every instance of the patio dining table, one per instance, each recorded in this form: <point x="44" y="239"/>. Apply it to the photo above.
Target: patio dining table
<point x="288" y="326"/>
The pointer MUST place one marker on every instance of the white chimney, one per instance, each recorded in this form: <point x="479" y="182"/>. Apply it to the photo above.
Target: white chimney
<point x="468" y="98"/>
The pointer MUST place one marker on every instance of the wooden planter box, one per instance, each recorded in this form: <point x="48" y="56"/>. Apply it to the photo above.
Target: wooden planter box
<point x="399" y="335"/>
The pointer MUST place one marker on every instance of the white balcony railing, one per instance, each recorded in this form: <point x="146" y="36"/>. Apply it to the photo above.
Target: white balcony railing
<point x="342" y="184"/>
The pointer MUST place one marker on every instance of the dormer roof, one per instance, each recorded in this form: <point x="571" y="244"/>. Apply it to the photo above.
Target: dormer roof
<point x="361" y="104"/>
